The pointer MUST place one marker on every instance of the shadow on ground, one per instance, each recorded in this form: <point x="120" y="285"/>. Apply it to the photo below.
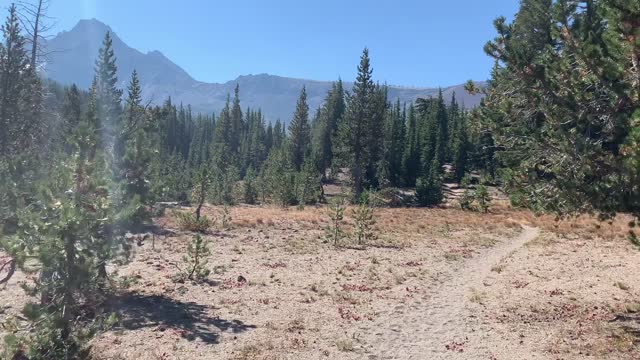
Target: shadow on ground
<point x="630" y="323"/>
<point x="191" y="320"/>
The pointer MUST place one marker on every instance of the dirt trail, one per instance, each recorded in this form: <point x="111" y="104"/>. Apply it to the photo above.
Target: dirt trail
<point x="423" y="329"/>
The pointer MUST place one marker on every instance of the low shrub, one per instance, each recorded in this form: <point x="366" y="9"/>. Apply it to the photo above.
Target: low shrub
<point x="189" y="222"/>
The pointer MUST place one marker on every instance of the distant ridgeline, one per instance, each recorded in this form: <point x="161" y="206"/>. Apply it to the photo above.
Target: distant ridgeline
<point x="73" y="54"/>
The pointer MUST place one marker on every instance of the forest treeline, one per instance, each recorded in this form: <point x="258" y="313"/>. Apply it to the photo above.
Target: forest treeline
<point x="559" y="130"/>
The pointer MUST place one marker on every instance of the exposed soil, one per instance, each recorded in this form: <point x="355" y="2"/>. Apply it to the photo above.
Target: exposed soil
<point x="443" y="321"/>
<point x="436" y="283"/>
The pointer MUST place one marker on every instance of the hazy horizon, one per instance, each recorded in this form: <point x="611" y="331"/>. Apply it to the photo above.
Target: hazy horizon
<point x="316" y="42"/>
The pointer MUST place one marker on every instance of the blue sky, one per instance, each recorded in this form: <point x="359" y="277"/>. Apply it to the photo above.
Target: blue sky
<point x="411" y="42"/>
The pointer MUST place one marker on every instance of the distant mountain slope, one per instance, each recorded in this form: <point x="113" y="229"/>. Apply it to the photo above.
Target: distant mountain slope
<point x="73" y="55"/>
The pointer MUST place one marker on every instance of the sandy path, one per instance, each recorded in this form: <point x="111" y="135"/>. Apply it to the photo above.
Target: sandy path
<point x="424" y="328"/>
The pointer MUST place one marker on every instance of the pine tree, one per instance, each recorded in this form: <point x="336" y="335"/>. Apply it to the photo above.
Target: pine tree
<point x="200" y="146"/>
<point x="329" y="117"/>
<point x="107" y="93"/>
<point x="429" y="187"/>
<point x="71" y="116"/>
<point x="309" y="182"/>
<point x="555" y="58"/>
<point x="460" y="147"/>
<point x="278" y="177"/>
<point x="427" y="133"/>
<point x="250" y="192"/>
<point x="483" y="198"/>
<point x="299" y="131"/>
<point x="20" y="93"/>
<point x="375" y="135"/>
<point x="134" y="167"/>
<point x="236" y="122"/>
<point x="453" y="118"/>
<point x="411" y="154"/>
<point x="268" y="138"/>
<point x="21" y="122"/>
<point x="224" y="160"/>
<point x="334" y="231"/>
<point x="253" y="145"/>
<point x="355" y="131"/>
<point x="69" y="230"/>
<point x="279" y="134"/>
<point x="363" y="224"/>
<point x="442" y="133"/>
<point x="394" y="143"/>
<point x="197" y="258"/>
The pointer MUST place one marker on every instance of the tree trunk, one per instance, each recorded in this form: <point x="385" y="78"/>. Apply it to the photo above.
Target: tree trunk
<point x="70" y="264"/>
<point x="67" y="301"/>
<point x="201" y="199"/>
<point x="36" y="28"/>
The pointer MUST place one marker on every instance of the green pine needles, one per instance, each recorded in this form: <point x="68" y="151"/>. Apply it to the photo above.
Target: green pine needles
<point x="196" y="259"/>
<point x="483" y="199"/>
<point x="334" y="232"/>
<point x="363" y="224"/>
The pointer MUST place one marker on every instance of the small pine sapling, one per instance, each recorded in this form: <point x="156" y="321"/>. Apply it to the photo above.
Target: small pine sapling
<point x="363" y="224"/>
<point x="334" y="230"/>
<point x="225" y="218"/>
<point x="197" y="259"/>
<point x="483" y="198"/>
<point x="465" y="200"/>
<point x="250" y="190"/>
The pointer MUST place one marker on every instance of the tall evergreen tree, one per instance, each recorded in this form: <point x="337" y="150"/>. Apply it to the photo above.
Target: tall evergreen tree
<point x="442" y="134"/>
<point x="278" y="177"/>
<point x="355" y="131"/>
<point x="71" y="115"/>
<point x="329" y="117"/>
<point x="135" y="164"/>
<point x="279" y="134"/>
<point x="108" y="96"/>
<point x="236" y="122"/>
<point x="21" y="123"/>
<point x="378" y="106"/>
<point x="460" y="147"/>
<point x="394" y="143"/>
<point x="453" y="120"/>
<point x="411" y="154"/>
<point x="299" y="131"/>
<point x="20" y="92"/>
<point x="224" y="160"/>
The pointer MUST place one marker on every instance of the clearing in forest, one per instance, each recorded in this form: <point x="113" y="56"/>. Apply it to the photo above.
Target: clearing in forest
<point x="435" y="283"/>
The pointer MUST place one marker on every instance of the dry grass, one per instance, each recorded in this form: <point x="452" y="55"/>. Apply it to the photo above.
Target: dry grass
<point x="621" y="285"/>
<point x="477" y="297"/>
<point x="586" y="226"/>
<point x="303" y="297"/>
<point x="345" y="345"/>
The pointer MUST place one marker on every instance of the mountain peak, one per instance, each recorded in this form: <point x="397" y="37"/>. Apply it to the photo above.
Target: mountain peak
<point x="156" y="53"/>
<point x="92" y="24"/>
<point x="74" y="53"/>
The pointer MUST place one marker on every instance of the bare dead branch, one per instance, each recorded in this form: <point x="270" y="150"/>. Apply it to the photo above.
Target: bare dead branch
<point x="12" y="269"/>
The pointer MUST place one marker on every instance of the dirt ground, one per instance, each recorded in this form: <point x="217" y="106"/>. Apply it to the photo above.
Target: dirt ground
<point x="435" y="284"/>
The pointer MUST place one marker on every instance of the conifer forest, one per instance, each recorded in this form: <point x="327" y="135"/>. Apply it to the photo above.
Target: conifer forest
<point x="365" y="228"/>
